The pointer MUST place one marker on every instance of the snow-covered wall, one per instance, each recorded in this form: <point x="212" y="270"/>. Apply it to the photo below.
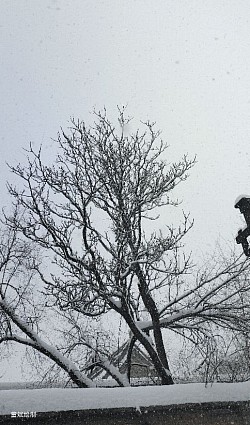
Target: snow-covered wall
<point x="58" y="399"/>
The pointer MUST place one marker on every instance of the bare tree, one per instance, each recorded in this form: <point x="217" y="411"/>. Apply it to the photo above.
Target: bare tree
<point x="92" y="211"/>
<point x="20" y="310"/>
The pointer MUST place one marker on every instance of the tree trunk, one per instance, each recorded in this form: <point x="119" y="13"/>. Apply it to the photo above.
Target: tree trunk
<point x="152" y="309"/>
<point x="159" y="366"/>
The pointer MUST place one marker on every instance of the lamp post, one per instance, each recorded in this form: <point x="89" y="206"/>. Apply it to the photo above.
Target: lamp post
<point x="244" y="206"/>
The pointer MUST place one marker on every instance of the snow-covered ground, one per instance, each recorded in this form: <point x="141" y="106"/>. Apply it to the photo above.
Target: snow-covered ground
<point x="56" y="399"/>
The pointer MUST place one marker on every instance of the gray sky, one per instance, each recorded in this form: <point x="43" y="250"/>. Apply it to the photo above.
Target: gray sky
<point x="182" y="63"/>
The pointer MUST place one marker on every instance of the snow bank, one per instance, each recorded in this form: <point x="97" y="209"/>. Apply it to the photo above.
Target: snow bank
<point x="58" y="399"/>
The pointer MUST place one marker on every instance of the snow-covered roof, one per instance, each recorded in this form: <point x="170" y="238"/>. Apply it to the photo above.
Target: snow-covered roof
<point x="58" y="399"/>
<point x="119" y="359"/>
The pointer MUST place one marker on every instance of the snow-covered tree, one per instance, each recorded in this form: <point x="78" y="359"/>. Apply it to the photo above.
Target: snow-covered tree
<point x="91" y="211"/>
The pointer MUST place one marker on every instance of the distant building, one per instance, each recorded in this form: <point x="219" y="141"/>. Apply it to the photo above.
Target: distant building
<point x="142" y="370"/>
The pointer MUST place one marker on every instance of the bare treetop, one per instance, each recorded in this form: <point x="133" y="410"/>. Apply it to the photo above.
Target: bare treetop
<point x="91" y="212"/>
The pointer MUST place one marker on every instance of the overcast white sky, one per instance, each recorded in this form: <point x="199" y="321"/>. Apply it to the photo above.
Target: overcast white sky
<point x="182" y="63"/>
